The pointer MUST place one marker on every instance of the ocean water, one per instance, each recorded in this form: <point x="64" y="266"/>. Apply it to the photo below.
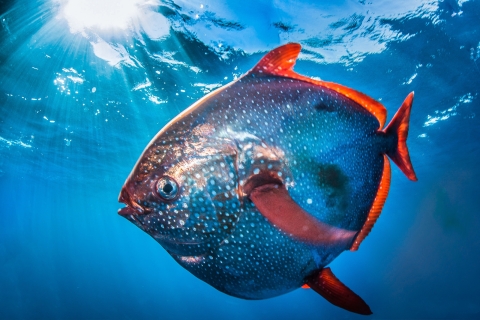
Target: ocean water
<point x="85" y="85"/>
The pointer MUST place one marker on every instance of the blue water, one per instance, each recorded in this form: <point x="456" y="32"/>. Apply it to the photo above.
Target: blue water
<point x="84" y="87"/>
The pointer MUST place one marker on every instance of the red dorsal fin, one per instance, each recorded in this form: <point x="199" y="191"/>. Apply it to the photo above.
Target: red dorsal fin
<point x="399" y="128"/>
<point x="280" y="62"/>
<point x="377" y="205"/>
<point x="328" y="286"/>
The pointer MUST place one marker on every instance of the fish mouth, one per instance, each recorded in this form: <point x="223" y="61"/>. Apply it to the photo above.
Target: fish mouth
<point x="131" y="215"/>
<point x="132" y="207"/>
<point x="132" y="211"/>
<point x="127" y="211"/>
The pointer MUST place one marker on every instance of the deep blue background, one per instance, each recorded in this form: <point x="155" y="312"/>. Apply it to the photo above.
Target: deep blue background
<point x="65" y="253"/>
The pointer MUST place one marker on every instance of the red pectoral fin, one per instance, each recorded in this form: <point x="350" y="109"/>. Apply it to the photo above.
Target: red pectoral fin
<point x="274" y="203"/>
<point x="328" y="286"/>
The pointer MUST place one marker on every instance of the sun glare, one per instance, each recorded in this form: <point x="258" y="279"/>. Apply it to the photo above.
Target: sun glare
<point x="104" y="14"/>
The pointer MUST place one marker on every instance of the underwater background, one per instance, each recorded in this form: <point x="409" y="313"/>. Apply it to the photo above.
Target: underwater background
<point x="86" y="84"/>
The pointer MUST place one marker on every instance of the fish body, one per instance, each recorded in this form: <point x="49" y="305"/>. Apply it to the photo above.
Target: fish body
<point x="259" y="185"/>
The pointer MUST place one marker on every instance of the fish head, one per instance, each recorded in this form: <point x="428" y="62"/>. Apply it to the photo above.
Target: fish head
<point x="183" y="191"/>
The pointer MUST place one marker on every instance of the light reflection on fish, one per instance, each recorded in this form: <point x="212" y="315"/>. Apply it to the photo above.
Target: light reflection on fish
<point x="259" y="185"/>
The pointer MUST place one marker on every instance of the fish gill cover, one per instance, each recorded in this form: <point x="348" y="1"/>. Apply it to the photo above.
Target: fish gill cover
<point x="84" y="85"/>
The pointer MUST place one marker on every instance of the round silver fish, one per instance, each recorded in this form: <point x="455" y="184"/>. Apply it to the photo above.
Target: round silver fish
<point x="259" y="185"/>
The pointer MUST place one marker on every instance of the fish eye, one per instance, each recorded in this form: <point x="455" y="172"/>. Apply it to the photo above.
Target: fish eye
<point x="167" y="188"/>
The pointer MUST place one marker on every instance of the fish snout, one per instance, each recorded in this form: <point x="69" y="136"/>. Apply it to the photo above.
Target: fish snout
<point x="132" y="207"/>
<point x="124" y="196"/>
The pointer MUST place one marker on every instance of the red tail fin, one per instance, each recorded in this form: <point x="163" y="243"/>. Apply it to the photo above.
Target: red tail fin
<point x="399" y="127"/>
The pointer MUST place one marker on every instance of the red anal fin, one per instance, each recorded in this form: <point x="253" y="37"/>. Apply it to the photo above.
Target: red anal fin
<point x="377" y="205"/>
<point x="274" y="203"/>
<point x="280" y="62"/>
<point x="399" y="128"/>
<point x="328" y="286"/>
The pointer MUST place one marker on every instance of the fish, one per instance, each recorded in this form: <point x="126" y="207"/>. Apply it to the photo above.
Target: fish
<point x="258" y="186"/>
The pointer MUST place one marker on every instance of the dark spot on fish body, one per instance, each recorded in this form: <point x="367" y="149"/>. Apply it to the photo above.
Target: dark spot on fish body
<point x="323" y="106"/>
<point x="331" y="176"/>
<point x="334" y="184"/>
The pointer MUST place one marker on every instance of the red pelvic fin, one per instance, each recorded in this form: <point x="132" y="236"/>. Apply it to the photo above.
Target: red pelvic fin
<point x="377" y="205"/>
<point x="280" y="62"/>
<point x="328" y="286"/>
<point x="274" y="203"/>
<point x="399" y="128"/>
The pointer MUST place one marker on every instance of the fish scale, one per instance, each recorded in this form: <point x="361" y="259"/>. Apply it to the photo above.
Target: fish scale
<point x="239" y="266"/>
<point x="259" y="185"/>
